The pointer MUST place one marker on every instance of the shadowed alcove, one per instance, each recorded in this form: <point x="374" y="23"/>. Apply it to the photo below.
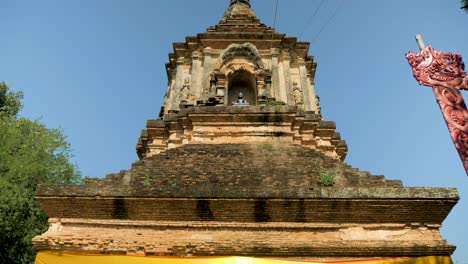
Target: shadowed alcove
<point x="242" y="82"/>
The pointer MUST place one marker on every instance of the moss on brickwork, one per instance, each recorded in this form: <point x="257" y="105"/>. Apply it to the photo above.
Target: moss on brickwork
<point x="260" y="170"/>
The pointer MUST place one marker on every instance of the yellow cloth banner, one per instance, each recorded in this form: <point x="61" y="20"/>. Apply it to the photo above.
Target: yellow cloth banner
<point x="48" y="257"/>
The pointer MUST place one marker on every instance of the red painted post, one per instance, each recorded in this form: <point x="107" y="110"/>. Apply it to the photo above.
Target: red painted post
<point x="445" y="73"/>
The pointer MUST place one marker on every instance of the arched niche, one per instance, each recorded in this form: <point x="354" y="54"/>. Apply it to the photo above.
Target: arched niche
<point x="239" y="69"/>
<point x="246" y="51"/>
<point x="242" y="82"/>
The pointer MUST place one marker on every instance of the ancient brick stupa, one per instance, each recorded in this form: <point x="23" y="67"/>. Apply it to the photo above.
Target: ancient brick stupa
<point x="240" y="167"/>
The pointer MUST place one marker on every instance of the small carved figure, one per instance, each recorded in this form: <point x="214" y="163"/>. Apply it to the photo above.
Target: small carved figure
<point x="213" y="82"/>
<point x="185" y="91"/>
<point x="297" y="93"/>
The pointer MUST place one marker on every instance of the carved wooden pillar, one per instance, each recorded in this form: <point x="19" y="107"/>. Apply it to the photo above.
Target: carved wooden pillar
<point x="445" y="72"/>
<point x="453" y="107"/>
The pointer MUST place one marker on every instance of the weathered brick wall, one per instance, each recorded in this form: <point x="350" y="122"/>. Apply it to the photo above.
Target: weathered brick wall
<point x="258" y="181"/>
<point x="210" y="188"/>
<point x="251" y="210"/>
<point x="263" y="170"/>
<point x="267" y="170"/>
<point x="184" y="238"/>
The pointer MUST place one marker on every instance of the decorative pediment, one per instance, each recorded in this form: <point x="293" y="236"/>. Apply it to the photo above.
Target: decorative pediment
<point x="237" y="65"/>
<point x="245" y="51"/>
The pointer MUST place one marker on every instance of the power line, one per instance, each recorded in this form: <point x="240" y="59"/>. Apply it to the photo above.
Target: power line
<point x="276" y="14"/>
<point x="310" y="19"/>
<point x="328" y="22"/>
<point x="274" y="24"/>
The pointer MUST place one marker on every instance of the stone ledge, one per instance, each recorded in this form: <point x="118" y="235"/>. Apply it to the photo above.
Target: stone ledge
<point x="331" y="211"/>
<point x="255" y="123"/>
<point x="221" y="239"/>
<point x="239" y="226"/>
<point x="346" y="193"/>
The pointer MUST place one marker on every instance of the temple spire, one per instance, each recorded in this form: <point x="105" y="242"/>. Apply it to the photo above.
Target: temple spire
<point x="239" y="9"/>
<point x="247" y="2"/>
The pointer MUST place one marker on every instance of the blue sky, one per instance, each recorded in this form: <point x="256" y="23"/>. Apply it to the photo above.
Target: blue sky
<point x="95" y="68"/>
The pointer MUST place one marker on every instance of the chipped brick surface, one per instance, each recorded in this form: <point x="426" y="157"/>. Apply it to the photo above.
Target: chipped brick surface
<point x="260" y="199"/>
<point x="185" y="238"/>
<point x="264" y="170"/>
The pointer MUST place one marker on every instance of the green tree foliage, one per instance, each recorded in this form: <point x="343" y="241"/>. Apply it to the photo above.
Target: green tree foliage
<point x="30" y="154"/>
<point x="10" y="102"/>
<point x="464" y="5"/>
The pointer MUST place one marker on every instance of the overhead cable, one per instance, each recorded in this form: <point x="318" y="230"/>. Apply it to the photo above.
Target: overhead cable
<point x="274" y="24"/>
<point x="310" y="19"/>
<point x="276" y="15"/>
<point x="328" y="22"/>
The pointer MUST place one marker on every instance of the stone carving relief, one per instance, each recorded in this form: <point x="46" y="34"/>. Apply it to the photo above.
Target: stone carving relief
<point x="185" y="94"/>
<point x="213" y="81"/>
<point x="297" y="94"/>
<point x="216" y="88"/>
<point x="263" y="79"/>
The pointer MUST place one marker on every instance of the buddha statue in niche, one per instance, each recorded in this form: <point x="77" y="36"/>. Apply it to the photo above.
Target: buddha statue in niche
<point x="242" y="83"/>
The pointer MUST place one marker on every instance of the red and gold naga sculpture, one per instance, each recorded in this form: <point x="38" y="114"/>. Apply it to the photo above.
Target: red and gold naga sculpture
<point x="445" y="73"/>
